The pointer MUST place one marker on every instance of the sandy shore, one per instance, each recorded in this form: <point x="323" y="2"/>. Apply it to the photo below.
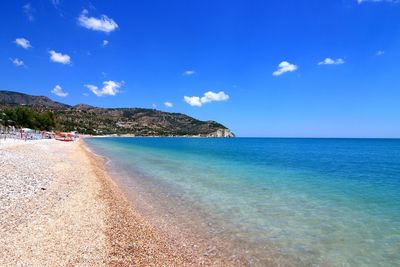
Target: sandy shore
<point x="58" y="207"/>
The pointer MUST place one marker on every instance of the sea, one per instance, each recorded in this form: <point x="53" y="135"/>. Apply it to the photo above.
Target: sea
<point x="285" y="201"/>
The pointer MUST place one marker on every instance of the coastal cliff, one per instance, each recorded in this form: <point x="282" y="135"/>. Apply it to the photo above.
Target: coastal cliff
<point x="120" y="121"/>
<point x="226" y="133"/>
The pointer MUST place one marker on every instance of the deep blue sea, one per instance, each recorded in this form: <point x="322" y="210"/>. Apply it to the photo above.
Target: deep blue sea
<point x="311" y="202"/>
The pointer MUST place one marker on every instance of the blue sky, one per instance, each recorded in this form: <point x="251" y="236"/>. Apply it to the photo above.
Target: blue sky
<point x="263" y="68"/>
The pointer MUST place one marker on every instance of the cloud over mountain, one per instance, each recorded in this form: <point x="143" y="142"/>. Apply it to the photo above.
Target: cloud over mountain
<point x="58" y="91"/>
<point x="168" y="104"/>
<point x="208" y="97"/>
<point x="110" y="88"/>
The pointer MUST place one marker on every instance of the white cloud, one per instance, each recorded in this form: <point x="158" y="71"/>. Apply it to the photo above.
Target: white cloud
<point x="59" y="58"/>
<point x="103" y="24"/>
<point x="189" y="72"/>
<point x="194" y="101"/>
<point x="283" y="67"/>
<point x="380" y="53"/>
<point x="17" y="62"/>
<point x="85" y="94"/>
<point x="330" y="61"/>
<point x="28" y="10"/>
<point x="109" y="88"/>
<point x="153" y="106"/>
<point x="105" y="43"/>
<point x="168" y="104"/>
<point x="22" y="42"/>
<point x="211" y="96"/>
<point x="58" y="91"/>
<point x="208" y="97"/>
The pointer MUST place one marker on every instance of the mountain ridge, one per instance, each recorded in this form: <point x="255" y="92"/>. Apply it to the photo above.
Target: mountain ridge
<point x="97" y="120"/>
<point x="11" y="97"/>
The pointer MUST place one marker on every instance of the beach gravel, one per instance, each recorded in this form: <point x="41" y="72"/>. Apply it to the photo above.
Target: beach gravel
<point x="59" y="208"/>
<point x="50" y="209"/>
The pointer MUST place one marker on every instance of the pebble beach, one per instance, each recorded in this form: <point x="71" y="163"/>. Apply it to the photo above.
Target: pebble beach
<point x="58" y="207"/>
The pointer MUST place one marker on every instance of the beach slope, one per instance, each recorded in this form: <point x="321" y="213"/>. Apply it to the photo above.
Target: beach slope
<point x="58" y="207"/>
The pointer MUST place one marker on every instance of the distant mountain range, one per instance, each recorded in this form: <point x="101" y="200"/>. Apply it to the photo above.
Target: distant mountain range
<point x="121" y="121"/>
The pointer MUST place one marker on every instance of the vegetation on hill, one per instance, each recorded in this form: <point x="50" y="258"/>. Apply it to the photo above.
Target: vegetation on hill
<point x="41" y="112"/>
<point x="27" y="118"/>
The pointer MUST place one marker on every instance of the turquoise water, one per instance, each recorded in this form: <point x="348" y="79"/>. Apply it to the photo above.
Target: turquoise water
<point x="311" y="202"/>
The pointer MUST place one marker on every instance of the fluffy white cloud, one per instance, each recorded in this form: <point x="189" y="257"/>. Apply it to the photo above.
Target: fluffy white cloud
<point x="59" y="58"/>
<point x="330" y="61"/>
<point x="283" y="67"/>
<point x="103" y="24"/>
<point x="105" y="43"/>
<point x="189" y="72"/>
<point x="208" y="97"/>
<point x="211" y="96"/>
<point x="109" y="88"/>
<point x="22" y="42"/>
<point x="58" y="91"/>
<point x="194" y="101"/>
<point x="153" y="106"/>
<point x="28" y="10"/>
<point x="380" y="53"/>
<point x="17" y="62"/>
<point x="168" y="104"/>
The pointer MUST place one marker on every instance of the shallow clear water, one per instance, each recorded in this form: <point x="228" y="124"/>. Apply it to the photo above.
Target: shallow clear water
<point x="326" y="202"/>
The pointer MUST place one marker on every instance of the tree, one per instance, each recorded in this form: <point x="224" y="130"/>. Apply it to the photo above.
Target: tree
<point x="25" y="117"/>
